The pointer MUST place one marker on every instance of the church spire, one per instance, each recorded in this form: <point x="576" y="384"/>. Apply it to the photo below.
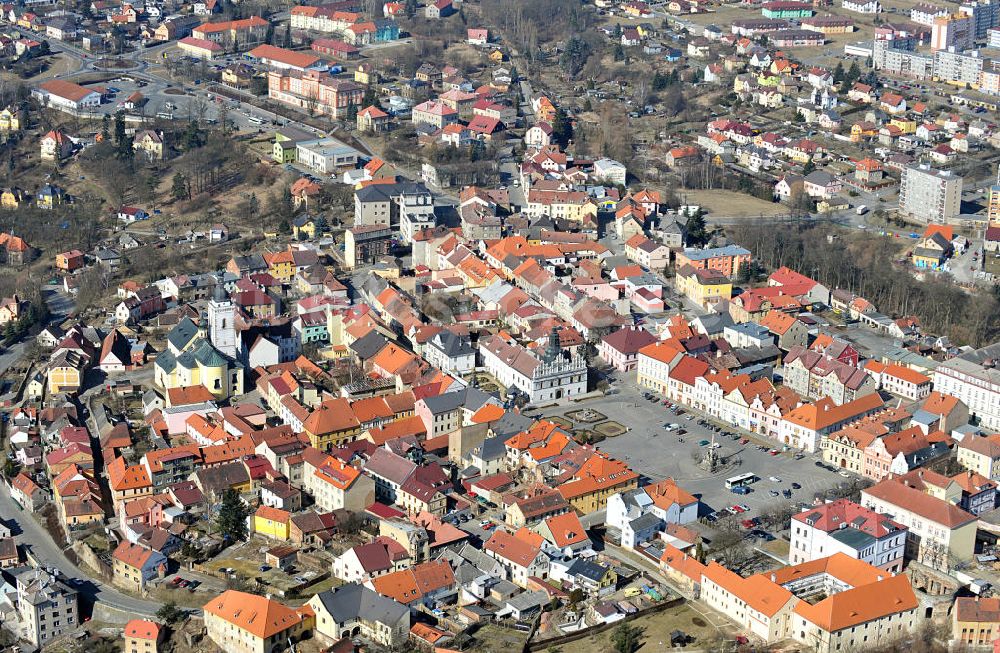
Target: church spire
<point x="553" y="349"/>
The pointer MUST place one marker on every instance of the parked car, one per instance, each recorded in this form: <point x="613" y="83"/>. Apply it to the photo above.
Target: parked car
<point x="703" y="443"/>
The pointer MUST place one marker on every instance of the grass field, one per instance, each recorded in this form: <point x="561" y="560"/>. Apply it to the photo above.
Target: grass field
<point x="730" y="204"/>
<point x="656" y="632"/>
<point x="496" y="639"/>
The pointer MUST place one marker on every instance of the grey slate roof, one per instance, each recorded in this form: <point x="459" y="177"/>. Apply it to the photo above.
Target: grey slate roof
<point x="352" y="602"/>
<point x="452" y="345"/>
<point x="645" y="521"/>
<point x="492" y="449"/>
<point x="587" y="569"/>
<point x="444" y="403"/>
<point x="511" y="424"/>
<point x="528" y="601"/>
<point x="182" y="334"/>
<point x="368" y="345"/>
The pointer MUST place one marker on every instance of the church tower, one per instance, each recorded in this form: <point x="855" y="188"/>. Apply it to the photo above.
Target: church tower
<point x="222" y="321"/>
<point x="553" y="349"/>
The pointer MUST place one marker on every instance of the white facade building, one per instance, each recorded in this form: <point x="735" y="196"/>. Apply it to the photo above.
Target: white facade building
<point x="555" y="375"/>
<point x="843" y="526"/>
<point x="974" y="378"/>
<point x="930" y="195"/>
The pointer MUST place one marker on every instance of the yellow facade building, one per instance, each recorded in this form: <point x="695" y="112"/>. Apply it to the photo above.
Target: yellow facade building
<point x="271" y="522"/>
<point x="193" y="358"/>
<point x="704" y="287"/>
<point x="238" y="622"/>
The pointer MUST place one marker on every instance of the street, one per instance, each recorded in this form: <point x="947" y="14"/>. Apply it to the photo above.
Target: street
<point x="37" y="540"/>
<point x="33" y="536"/>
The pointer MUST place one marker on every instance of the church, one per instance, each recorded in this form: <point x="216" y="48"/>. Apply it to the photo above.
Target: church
<point x="204" y="354"/>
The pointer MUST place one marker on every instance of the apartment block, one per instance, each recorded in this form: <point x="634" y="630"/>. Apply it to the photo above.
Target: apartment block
<point x="47" y="607"/>
<point x="958" y="67"/>
<point x="930" y="195"/>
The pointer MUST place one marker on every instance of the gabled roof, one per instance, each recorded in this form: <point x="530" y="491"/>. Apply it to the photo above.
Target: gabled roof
<point x="514" y="550"/>
<point x="758" y="592"/>
<point x="629" y="340"/>
<point x="566" y="530"/>
<point x="862" y="604"/>
<point x="910" y="499"/>
<point x="351" y="602"/>
<point x="257" y="615"/>
<point x="409" y="585"/>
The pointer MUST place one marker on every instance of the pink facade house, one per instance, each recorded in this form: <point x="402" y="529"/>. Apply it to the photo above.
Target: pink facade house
<point x="596" y="288"/>
<point x="894" y="453"/>
<point x="621" y="348"/>
<point x="648" y="301"/>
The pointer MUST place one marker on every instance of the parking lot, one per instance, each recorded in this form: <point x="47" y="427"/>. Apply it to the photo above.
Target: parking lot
<point x="655" y="453"/>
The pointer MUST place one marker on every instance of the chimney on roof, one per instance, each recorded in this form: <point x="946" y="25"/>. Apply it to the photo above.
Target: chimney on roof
<point x="774" y="578"/>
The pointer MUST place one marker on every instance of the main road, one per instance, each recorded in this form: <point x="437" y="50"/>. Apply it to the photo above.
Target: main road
<point x="43" y="548"/>
<point x="32" y="535"/>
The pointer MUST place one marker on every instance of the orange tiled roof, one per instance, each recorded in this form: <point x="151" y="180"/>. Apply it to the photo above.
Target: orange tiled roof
<point x="676" y="559"/>
<point x="257" y="615"/>
<point x="759" y="592"/>
<point x="488" y="413"/>
<point x="122" y="477"/>
<point x="823" y="413"/>
<point x="667" y="493"/>
<point x="332" y="416"/>
<point x="338" y="474"/>
<point x="273" y="514"/>
<point x="860" y="604"/>
<point x="409" y="585"/>
<point x="192" y="394"/>
<point x="142" y="629"/>
<point x="566" y="529"/>
<point x="663" y="352"/>
<point x="600" y="472"/>
<point x="510" y="548"/>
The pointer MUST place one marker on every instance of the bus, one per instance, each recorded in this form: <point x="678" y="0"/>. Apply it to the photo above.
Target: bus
<point x="741" y="481"/>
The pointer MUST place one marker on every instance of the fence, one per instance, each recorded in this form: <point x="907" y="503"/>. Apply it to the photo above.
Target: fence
<point x="542" y="644"/>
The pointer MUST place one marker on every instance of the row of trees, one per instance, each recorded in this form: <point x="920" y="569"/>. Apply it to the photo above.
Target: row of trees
<point x="527" y="23"/>
<point x="863" y="264"/>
